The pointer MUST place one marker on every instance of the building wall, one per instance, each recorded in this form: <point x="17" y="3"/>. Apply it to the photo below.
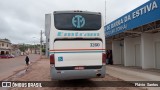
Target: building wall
<point x="156" y="40"/>
<point x="108" y="46"/>
<point x="5" y="46"/>
<point x="117" y="52"/>
<point x="129" y="50"/>
<point x="147" y="55"/>
<point x="148" y="51"/>
<point x="47" y="32"/>
<point x="16" y="52"/>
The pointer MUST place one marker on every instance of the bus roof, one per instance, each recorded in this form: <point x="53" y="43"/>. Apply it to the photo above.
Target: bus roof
<point x="77" y="11"/>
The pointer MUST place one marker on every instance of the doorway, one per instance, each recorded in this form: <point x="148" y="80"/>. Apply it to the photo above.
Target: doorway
<point x="157" y="55"/>
<point x="138" y="60"/>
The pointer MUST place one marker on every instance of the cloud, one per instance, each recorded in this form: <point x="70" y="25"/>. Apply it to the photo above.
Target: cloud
<point x="116" y="9"/>
<point x="21" y="20"/>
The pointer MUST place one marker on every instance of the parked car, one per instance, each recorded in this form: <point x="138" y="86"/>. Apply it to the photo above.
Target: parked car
<point x="4" y="56"/>
<point x="7" y="56"/>
<point x="12" y="56"/>
<point x="1" y="56"/>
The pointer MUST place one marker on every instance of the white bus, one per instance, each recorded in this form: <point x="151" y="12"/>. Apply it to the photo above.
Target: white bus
<point x="76" y="45"/>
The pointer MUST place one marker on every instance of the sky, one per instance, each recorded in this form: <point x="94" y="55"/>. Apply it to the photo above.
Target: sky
<point x="22" y="20"/>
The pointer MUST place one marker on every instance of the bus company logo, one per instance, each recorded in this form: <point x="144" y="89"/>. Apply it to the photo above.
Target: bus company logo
<point x="78" y="21"/>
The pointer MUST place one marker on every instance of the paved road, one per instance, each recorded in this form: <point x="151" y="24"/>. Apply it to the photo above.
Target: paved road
<point x="10" y="66"/>
<point x="40" y="71"/>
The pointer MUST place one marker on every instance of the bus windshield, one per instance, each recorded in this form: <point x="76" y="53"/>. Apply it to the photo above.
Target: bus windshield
<point x="77" y="21"/>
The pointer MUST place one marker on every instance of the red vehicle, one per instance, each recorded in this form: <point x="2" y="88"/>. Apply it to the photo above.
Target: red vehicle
<point x="6" y="56"/>
<point x="3" y="56"/>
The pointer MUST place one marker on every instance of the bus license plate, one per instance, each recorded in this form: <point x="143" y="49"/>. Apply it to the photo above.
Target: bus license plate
<point x="79" y="68"/>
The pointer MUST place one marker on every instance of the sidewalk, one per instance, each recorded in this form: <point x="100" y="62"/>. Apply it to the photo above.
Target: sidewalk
<point x="133" y="74"/>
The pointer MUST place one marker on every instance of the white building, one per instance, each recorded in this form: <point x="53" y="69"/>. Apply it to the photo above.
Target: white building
<point x="15" y="50"/>
<point x="135" y="37"/>
<point x="5" y="46"/>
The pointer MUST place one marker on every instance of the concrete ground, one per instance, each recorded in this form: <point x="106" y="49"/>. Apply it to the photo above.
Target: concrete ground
<point x="11" y="66"/>
<point x="134" y="74"/>
<point x="40" y="71"/>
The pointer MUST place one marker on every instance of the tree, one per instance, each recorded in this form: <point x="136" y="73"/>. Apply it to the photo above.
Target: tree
<point x="43" y="50"/>
<point x="22" y="48"/>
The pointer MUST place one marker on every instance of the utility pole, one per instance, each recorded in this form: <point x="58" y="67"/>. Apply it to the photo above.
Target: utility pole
<point x="35" y="52"/>
<point x="41" y="44"/>
<point x="35" y="48"/>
